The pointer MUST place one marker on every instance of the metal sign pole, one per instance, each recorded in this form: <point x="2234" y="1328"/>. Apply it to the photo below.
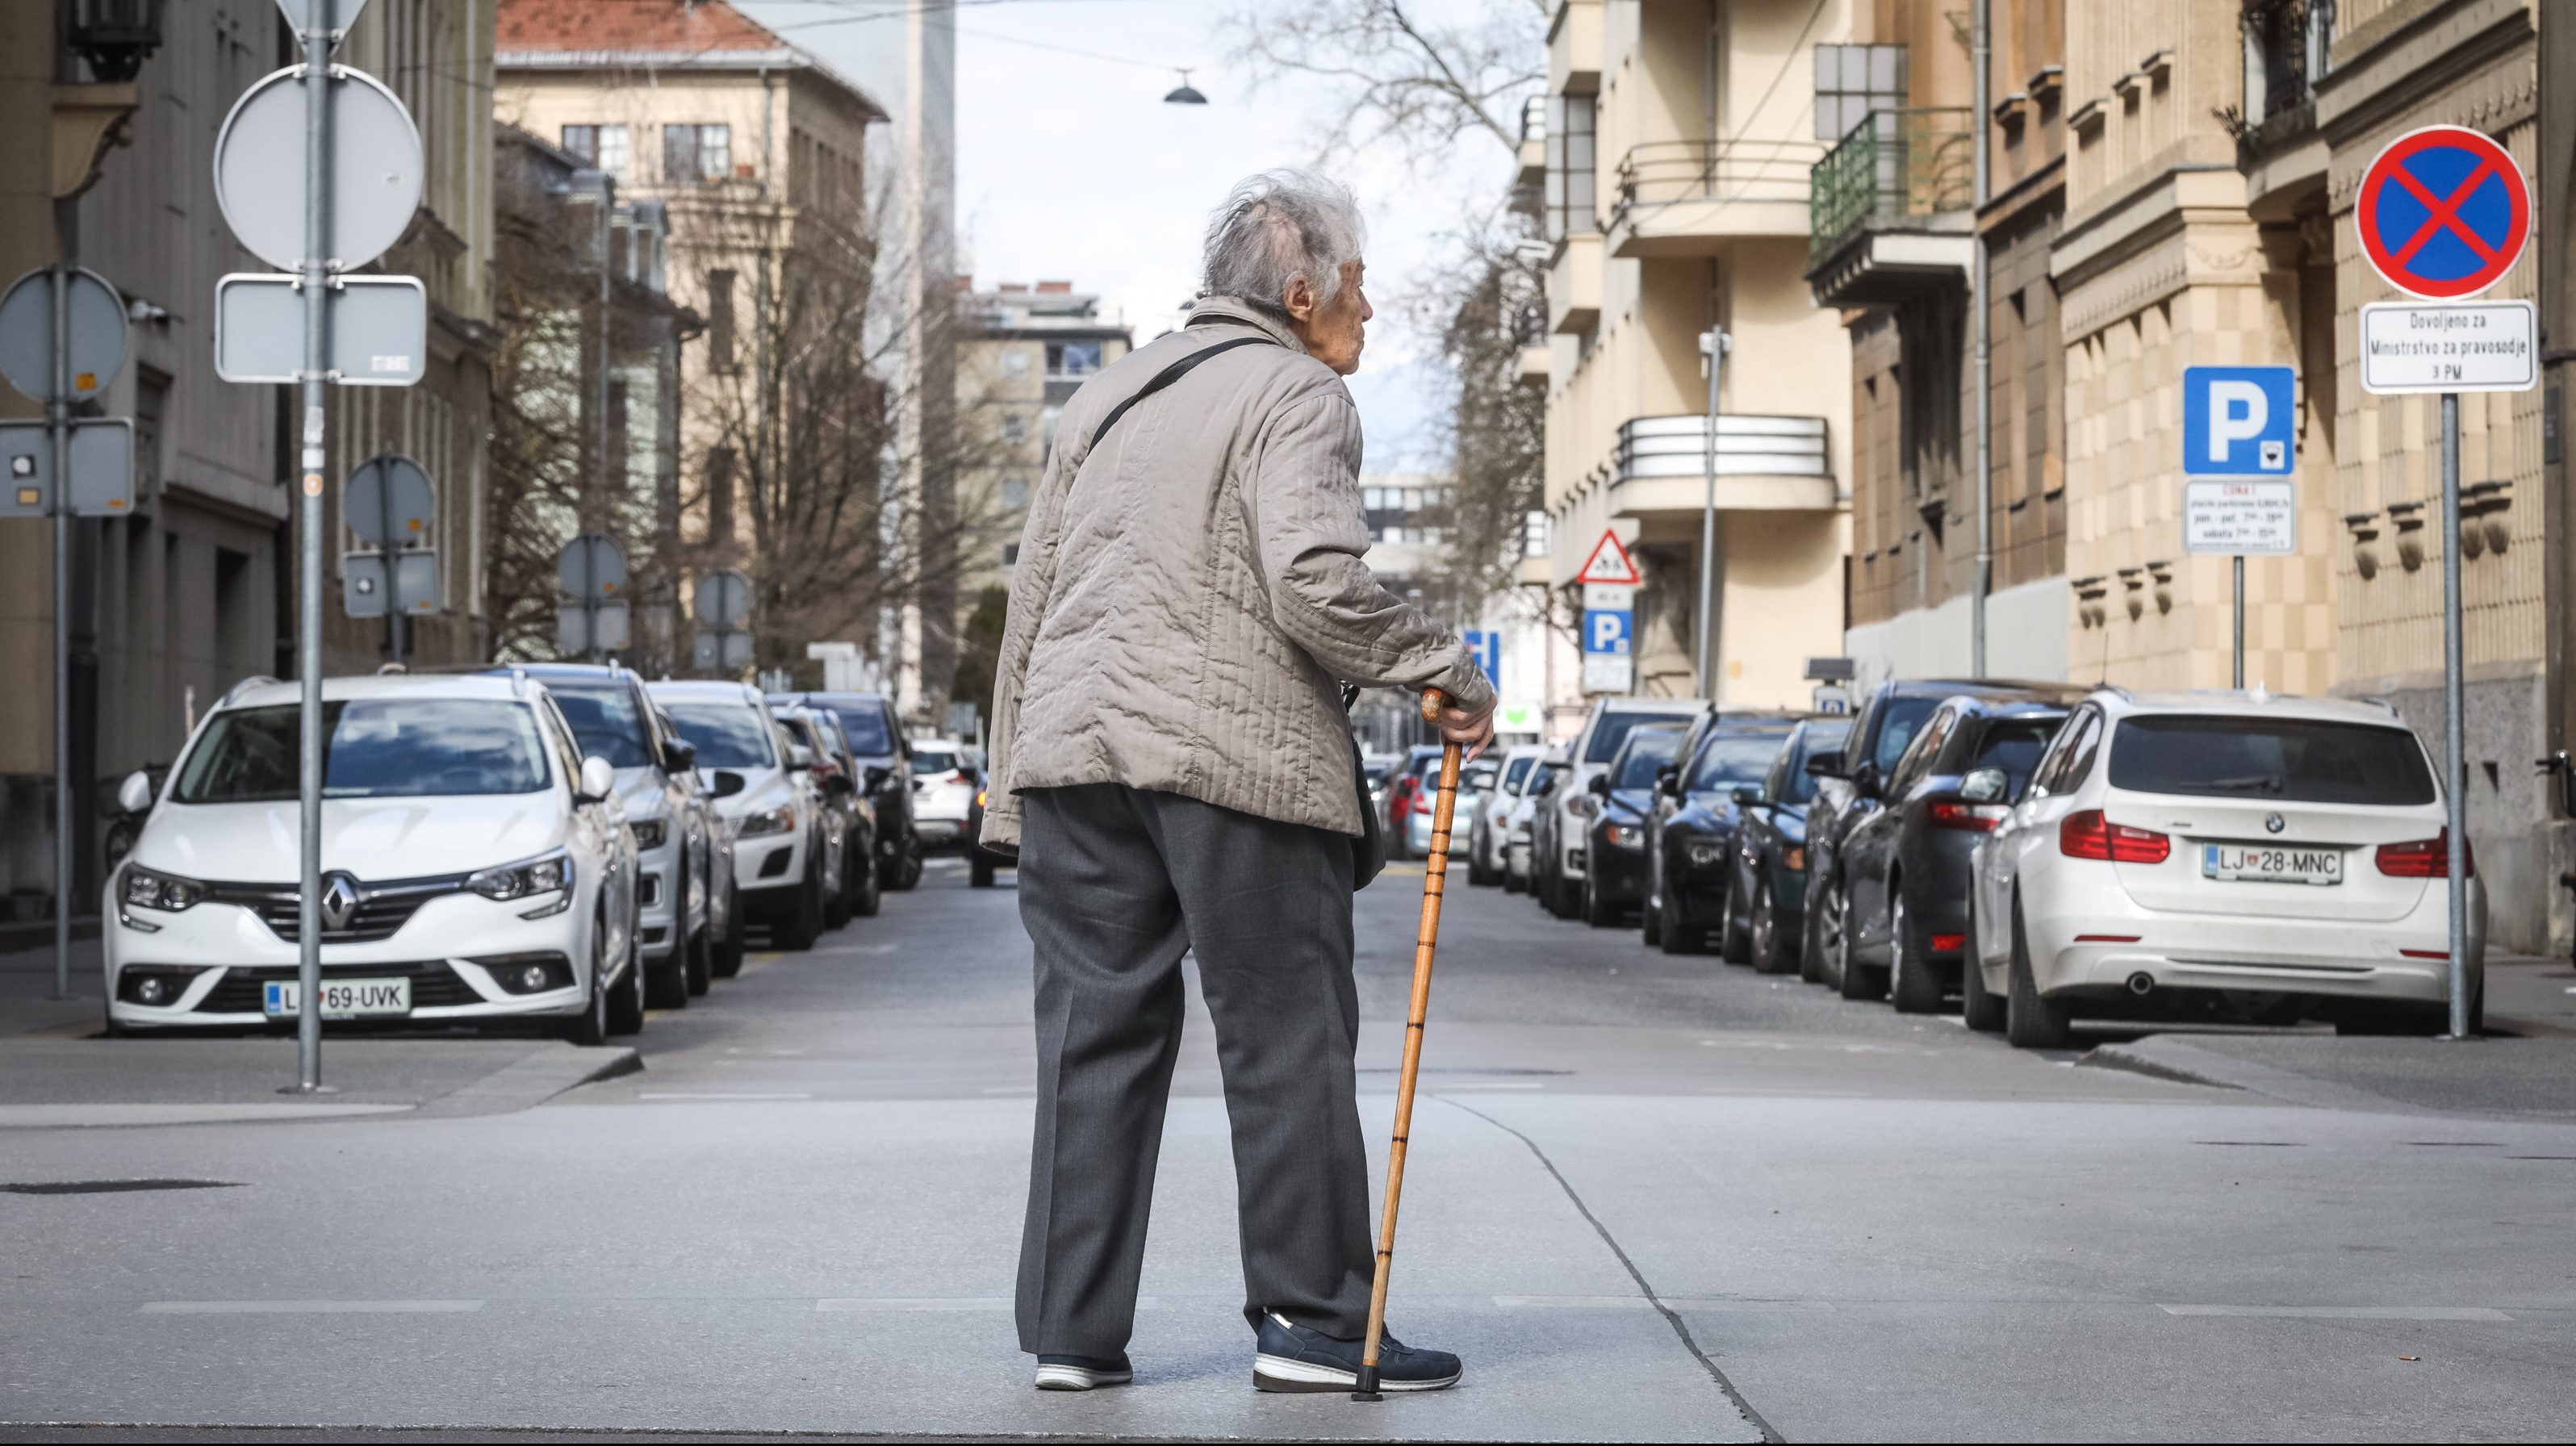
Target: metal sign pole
<point x="2455" y="757"/>
<point x="2239" y="674"/>
<point x="58" y="434"/>
<point x="308" y="643"/>
<point x="1712" y="343"/>
<point x="393" y="565"/>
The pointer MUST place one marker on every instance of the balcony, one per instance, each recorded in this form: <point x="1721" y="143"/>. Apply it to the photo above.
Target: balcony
<point x="1686" y="198"/>
<point x="1531" y="149"/>
<point x="1574" y="284"/>
<point x="1764" y="464"/>
<point x="1888" y="208"/>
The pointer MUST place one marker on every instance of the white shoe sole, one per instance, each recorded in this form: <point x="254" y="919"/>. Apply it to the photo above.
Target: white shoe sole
<point x="1079" y="1378"/>
<point x="1278" y="1373"/>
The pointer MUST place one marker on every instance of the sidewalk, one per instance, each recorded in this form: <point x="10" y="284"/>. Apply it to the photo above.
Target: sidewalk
<point x="2534" y="998"/>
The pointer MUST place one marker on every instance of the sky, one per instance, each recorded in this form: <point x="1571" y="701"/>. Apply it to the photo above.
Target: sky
<point x="1071" y="167"/>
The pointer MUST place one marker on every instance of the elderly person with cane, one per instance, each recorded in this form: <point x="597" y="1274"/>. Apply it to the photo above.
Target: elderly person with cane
<point x="1172" y="761"/>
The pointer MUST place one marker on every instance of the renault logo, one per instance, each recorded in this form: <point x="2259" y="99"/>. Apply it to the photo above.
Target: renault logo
<point x="339" y="902"/>
<point x="2274" y="823"/>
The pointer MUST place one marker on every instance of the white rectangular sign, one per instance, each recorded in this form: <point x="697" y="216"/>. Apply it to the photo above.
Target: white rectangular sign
<point x="1610" y="597"/>
<point x="2449" y="346"/>
<point x="2249" y="517"/>
<point x="1608" y="672"/>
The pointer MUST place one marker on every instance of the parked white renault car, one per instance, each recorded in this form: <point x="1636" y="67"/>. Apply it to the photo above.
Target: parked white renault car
<point x="475" y="865"/>
<point x="2246" y="854"/>
<point x="783" y="860"/>
<point x="944" y="779"/>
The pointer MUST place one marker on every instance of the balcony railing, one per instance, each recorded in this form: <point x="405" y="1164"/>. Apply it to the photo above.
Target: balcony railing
<point x="1747" y="446"/>
<point x="1736" y="169"/>
<point x="1896" y="165"/>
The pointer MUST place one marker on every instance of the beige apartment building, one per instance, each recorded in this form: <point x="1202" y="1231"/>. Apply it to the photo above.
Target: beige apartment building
<point x="1679" y="135"/>
<point x="194" y="590"/>
<point x="755" y="151"/>
<point x="1022" y="352"/>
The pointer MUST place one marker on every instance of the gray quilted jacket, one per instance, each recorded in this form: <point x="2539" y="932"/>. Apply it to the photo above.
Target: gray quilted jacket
<point x="1188" y="601"/>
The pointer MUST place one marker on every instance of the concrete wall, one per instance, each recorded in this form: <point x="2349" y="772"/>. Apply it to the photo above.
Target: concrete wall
<point x="2026" y="632"/>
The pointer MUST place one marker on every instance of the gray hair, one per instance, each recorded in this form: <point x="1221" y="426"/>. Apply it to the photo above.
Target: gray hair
<point x="1277" y="226"/>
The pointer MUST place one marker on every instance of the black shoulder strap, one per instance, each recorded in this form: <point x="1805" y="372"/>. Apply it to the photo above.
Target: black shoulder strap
<point x="1166" y="377"/>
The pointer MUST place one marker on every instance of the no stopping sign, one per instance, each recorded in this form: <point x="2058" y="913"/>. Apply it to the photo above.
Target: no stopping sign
<point x="2443" y="212"/>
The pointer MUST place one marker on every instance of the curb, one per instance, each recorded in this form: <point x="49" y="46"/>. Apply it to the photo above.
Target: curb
<point x="532" y="1081"/>
<point x="2169" y="1057"/>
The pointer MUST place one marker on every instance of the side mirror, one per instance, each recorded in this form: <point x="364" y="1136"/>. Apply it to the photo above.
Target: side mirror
<point x="876" y="777"/>
<point x="1747" y="795"/>
<point x="134" y="795"/>
<point x="680" y="756"/>
<point x="1865" y="780"/>
<point x="1825" y="765"/>
<point x="838" y="784"/>
<point x="1986" y="785"/>
<point x="727" y="783"/>
<point x="1599" y="787"/>
<point x="800" y="759"/>
<point x="1668" y="779"/>
<point x="598" y="780"/>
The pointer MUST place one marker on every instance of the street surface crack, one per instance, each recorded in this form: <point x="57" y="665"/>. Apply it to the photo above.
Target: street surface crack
<point x="1681" y="1328"/>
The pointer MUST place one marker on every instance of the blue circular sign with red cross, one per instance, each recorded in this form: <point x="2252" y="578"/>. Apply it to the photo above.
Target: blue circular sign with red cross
<point x="2443" y="212"/>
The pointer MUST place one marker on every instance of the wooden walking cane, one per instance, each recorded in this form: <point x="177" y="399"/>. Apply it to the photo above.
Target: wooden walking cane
<point x="1435" y="872"/>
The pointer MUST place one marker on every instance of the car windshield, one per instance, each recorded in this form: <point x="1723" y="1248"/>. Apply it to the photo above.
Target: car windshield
<point x="1612" y="730"/>
<point x="1651" y="749"/>
<point x="605" y="721"/>
<point x="1478" y="774"/>
<point x="726" y="735"/>
<point x="2014" y="746"/>
<point x="374" y="748"/>
<point x="931" y="758"/>
<point x="1819" y="739"/>
<point x="1732" y="758"/>
<point x="1904" y="719"/>
<point x="866" y="728"/>
<point x="1514" y="772"/>
<point x="2288" y="760"/>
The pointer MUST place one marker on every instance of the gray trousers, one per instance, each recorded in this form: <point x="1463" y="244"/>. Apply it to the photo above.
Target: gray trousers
<point x="1116" y="884"/>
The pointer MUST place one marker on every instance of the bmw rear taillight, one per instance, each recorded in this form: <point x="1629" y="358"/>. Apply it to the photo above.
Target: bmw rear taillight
<point x="2089" y="835"/>
<point x="1974" y="817"/>
<point x="2425" y="858"/>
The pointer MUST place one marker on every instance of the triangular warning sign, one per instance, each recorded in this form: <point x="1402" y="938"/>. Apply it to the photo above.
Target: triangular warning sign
<point x="1609" y="563"/>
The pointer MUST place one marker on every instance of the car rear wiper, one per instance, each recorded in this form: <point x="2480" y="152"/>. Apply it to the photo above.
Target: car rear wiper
<point x="2264" y="783"/>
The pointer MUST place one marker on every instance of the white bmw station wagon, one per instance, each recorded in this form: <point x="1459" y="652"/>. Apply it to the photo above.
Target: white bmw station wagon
<point x="474" y="866"/>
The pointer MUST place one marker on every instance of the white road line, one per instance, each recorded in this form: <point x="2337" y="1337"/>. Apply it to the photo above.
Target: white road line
<point x="937" y="1302"/>
<point x="678" y="1096"/>
<point x="310" y="1307"/>
<point x="2343" y="1312"/>
<point x="1028" y="1090"/>
<point x="1451" y="1085"/>
<point x="1574" y="1302"/>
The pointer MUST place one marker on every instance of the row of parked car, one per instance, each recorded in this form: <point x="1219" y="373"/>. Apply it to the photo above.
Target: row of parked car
<point x="2035" y="852"/>
<point x="559" y="842"/>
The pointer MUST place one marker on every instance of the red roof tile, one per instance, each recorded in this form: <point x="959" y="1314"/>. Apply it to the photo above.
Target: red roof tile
<point x="628" y="26"/>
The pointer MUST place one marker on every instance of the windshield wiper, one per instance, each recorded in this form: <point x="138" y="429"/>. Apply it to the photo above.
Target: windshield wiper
<point x="2263" y="783"/>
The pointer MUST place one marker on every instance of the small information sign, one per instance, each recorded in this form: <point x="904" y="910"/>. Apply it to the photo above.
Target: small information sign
<point x="2247" y="517"/>
<point x="2450" y="346"/>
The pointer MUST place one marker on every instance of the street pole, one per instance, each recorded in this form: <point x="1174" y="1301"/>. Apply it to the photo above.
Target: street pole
<point x="1713" y="344"/>
<point x="1982" y="323"/>
<point x="308" y="642"/>
<point x="58" y="432"/>
<point x="393" y="564"/>
<point x="2238" y="563"/>
<point x="2455" y="754"/>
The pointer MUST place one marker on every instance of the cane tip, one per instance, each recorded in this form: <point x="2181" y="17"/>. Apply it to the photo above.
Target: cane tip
<point x="1367" y="1396"/>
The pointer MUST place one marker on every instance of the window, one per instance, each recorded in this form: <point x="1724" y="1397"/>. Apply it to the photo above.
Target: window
<point x="1852" y="81"/>
<point x="602" y="146"/>
<point x="1728" y="759"/>
<point x="696" y="153"/>
<point x="1904" y="716"/>
<point x="1015" y="493"/>
<point x="605" y="721"/>
<point x="1015" y="363"/>
<point x="720" y="320"/>
<point x="719" y="494"/>
<point x="1010" y="554"/>
<point x="1015" y="427"/>
<point x="2271" y="759"/>
<point x="1572" y="165"/>
<point x="726" y="735"/>
<point x="1072" y="358"/>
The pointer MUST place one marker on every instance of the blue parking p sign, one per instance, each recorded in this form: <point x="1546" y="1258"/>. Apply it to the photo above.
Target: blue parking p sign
<point x="2239" y="421"/>
<point x="1605" y="631"/>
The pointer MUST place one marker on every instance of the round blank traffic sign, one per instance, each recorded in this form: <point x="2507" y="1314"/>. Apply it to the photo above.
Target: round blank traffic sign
<point x="388" y="501"/>
<point x="27" y="334"/>
<point x="723" y="599"/>
<point x="591" y="565"/>
<point x="376" y="169"/>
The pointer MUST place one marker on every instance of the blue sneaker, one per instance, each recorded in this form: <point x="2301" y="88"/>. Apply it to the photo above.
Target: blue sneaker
<point x="1082" y="1373"/>
<point x="1291" y="1357"/>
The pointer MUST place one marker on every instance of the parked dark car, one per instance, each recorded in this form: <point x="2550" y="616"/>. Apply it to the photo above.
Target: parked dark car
<point x="834" y="763"/>
<point x="1690" y="835"/>
<point x="1614" y="847"/>
<point x="876" y="739"/>
<point x="1768" y="900"/>
<point x="982" y="863"/>
<point x="1849" y="789"/>
<point x="1905" y="867"/>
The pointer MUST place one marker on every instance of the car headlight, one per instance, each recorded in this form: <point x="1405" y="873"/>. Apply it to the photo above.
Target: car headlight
<point x="145" y="889"/>
<point x="525" y="880"/>
<point x="781" y="819"/>
<point x="1624" y="836"/>
<point x="652" y="833"/>
<point x="1706" y="852"/>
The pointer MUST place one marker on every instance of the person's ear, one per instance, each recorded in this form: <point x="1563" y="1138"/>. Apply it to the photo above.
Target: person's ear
<point x="1299" y="299"/>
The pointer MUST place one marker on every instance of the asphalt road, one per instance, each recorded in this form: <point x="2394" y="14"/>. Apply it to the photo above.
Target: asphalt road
<point x="1650" y="1198"/>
